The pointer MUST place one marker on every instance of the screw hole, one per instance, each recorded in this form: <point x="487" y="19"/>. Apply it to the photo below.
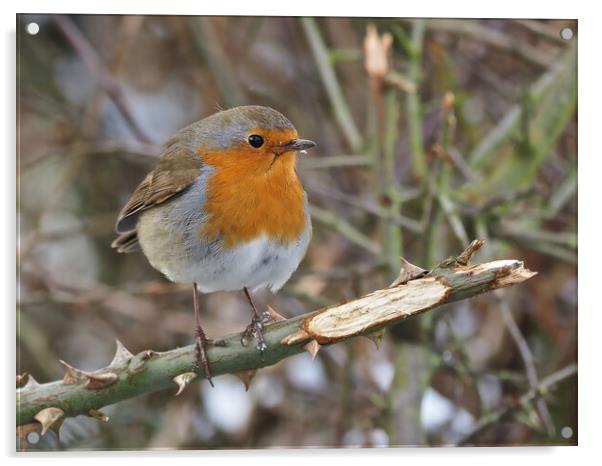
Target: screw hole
<point x="566" y="33"/>
<point x="566" y="432"/>
<point x="33" y="438"/>
<point x="33" y="29"/>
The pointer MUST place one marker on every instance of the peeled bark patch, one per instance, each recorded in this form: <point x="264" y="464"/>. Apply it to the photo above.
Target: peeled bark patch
<point x="376" y="309"/>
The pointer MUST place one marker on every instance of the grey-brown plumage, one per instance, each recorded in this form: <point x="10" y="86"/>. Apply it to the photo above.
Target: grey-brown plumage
<point x="170" y="214"/>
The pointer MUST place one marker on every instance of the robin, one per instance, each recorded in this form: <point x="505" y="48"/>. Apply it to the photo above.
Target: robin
<point x="223" y="209"/>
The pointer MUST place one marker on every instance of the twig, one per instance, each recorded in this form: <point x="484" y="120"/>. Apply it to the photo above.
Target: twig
<point x="541" y="390"/>
<point x="342" y="113"/>
<point x="335" y="161"/>
<point x="545" y="247"/>
<point x="414" y="106"/>
<point x="128" y="29"/>
<point x="542" y="29"/>
<point x="502" y="198"/>
<point x="528" y="360"/>
<point x="99" y="71"/>
<point x="130" y="375"/>
<point x="345" y="229"/>
<point x="390" y="203"/>
<point x="385" y="111"/>
<point x="211" y="50"/>
<point x="500" y="133"/>
<point x="456" y="224"/>
<point x="366" y="206"/>
<point x="490" y="36"/>
<point x="563" y="193"/>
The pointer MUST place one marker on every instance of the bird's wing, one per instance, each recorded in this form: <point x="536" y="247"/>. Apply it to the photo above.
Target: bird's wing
<point x="177" y="169"/>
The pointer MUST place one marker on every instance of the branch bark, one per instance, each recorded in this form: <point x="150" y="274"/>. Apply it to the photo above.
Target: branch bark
<point x="128" y="375"/>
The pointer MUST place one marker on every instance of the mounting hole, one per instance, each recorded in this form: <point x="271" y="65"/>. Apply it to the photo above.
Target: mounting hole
<point x="32" y="29"/>
<point x="566" y="432"/>
<point x="33" y="438"/>
<point x="566" y="33"/>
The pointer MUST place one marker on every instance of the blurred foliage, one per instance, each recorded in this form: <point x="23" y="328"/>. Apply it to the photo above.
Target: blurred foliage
<point x="430" y="133"/>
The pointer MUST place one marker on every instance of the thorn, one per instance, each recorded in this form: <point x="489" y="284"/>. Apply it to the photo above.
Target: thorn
<point x="184" y="379"/>
<point x="246" y="377"/>
<point x="50" y="418"/>
<point x="96" y="414"/>
<point x="22" y="379"/>
<point x="274" y="315"/>
<point x="72" y="375"/>
<point x="122" y="355"/>
<point x="31" y="382"/>
<point x="312" y="348"/>
<point x="376" y="337"/>
<point x="296" y="337"/>
<point x="96" y="380"/>
<point x="91" y="380"/>
<point x="408" y="272"/>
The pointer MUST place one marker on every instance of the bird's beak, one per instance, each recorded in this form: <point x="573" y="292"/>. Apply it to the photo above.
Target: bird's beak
<point x="298" y="145"/>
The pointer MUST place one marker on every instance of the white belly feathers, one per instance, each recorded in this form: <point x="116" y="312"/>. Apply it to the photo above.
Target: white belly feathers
<point x="169" y="236"/>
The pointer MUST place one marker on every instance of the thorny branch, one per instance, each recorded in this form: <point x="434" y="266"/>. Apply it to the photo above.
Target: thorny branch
<point x="128" y="375"/>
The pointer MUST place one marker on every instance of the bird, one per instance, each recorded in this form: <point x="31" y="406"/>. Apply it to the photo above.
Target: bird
<point x="224" y="210"/>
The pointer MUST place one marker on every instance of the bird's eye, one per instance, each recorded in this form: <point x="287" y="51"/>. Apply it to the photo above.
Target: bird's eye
<point x="255" y="140"/>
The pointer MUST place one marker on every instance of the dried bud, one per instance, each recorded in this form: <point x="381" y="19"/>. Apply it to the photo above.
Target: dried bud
<point x="449" y="100"/>
<point x="376" y="50"/>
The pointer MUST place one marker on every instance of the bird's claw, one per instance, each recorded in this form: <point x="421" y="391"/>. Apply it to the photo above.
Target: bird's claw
<point x="255" y="329"/>
<point x="201" y="359"/>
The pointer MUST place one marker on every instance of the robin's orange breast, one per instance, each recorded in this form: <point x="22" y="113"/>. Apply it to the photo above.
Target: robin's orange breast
<point x="249" y="195"/>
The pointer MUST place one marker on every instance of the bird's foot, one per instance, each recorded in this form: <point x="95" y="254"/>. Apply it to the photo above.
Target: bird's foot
<point x="201" y="359"/>
<point x="255" y="329"/>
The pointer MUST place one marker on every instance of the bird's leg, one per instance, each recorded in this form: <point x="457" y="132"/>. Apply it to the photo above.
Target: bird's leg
<point x="201" y="339"/>
<point x="255" y="328"/>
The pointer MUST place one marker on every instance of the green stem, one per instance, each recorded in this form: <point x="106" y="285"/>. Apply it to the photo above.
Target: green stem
<point x="345" y="229"/>
<point x="342" y="113"/>
<point x="210" y="49"/>
<point x="393" y="241"/>
<point x="413" y="104"/>
<point x="499" y="134"/>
